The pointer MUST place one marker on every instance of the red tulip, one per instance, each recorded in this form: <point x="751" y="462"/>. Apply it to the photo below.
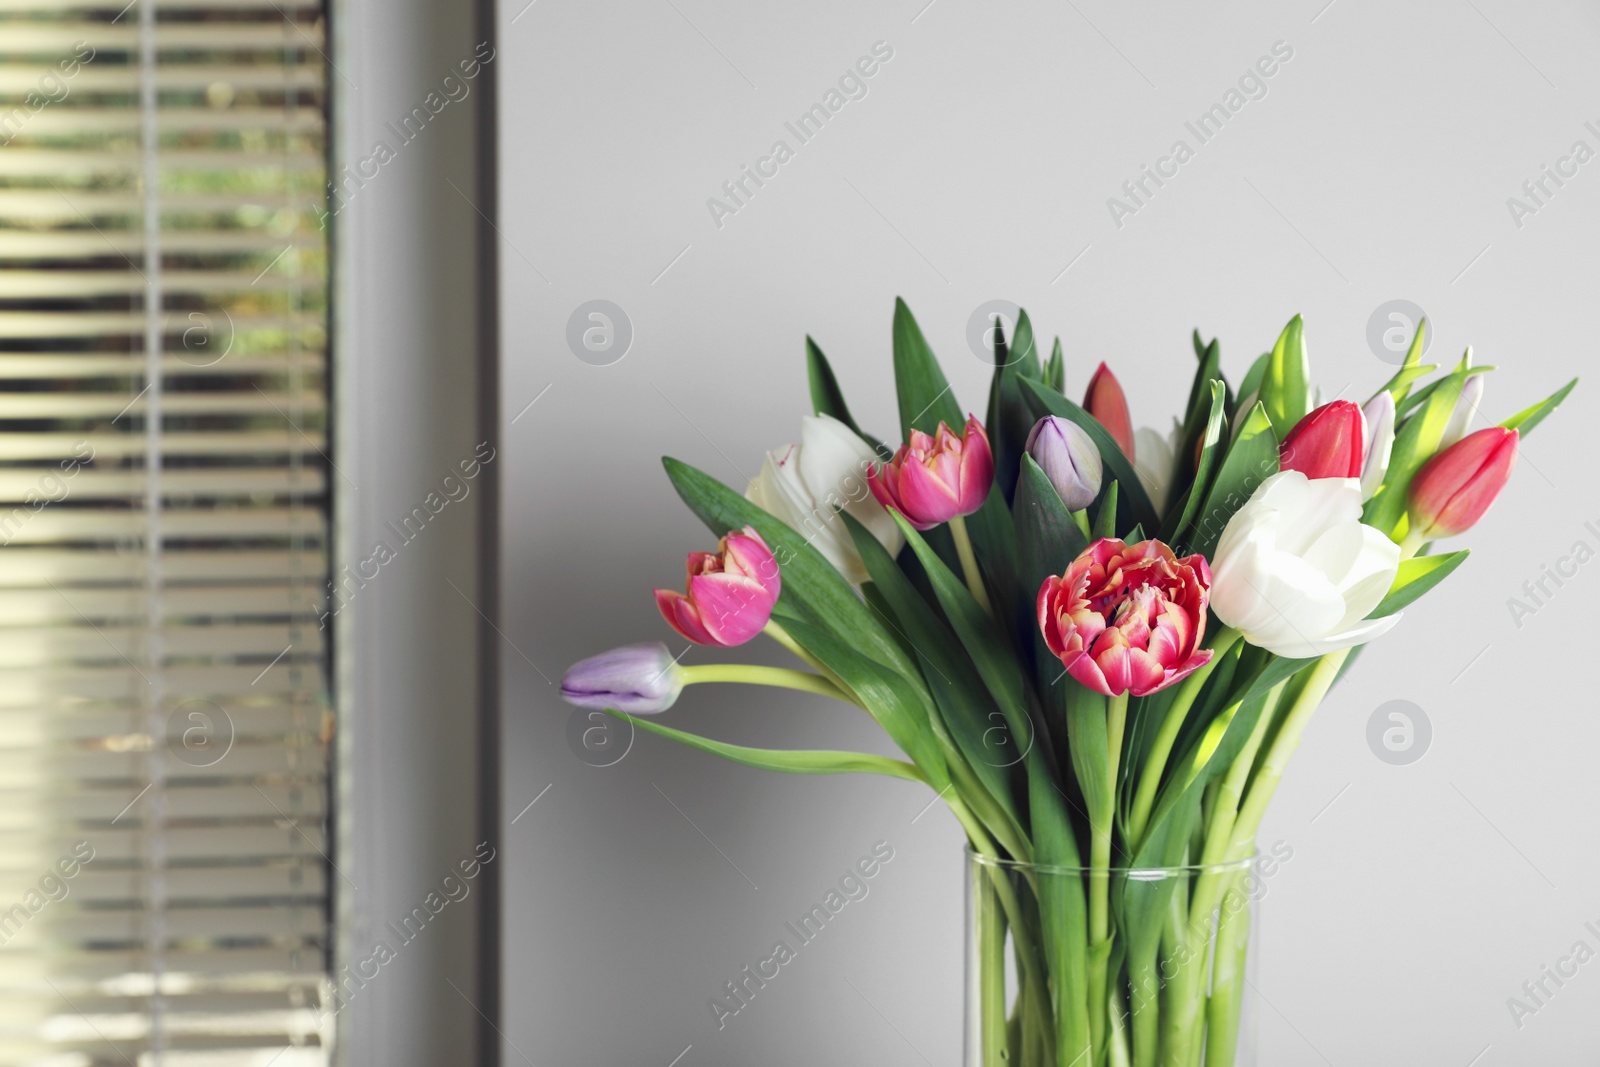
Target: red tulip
<point x="1127" y="618"/>
<point x="730" y="592"/>
<point x="1106" y="402"/>
<point x="1454" y="488"/>
<point x="933" y="479"/>
<point x="1330" y="442"/>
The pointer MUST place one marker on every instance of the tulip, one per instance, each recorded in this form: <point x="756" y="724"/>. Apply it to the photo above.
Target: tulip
<point x="637" y="679"/>
<point x="1158" y="462"/>
<point x="935" y="479"/>
<point x="1379" y="415"/>
<point x="806" y="484"/>
<point x="730" y="592"/>
<point x="1127" y="618"/>
<point x="1068" y="458"/>
<point x="1327" y="443"/>
<point x="1464" y="412"/>
<point x="1297" y="572"/>
<point x="1106" y="402"/>
<point x="1454" y="488"/>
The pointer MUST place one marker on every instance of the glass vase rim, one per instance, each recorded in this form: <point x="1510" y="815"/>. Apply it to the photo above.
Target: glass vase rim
<point x="1137" y="874"/>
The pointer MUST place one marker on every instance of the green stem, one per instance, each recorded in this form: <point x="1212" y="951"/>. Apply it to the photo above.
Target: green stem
<point x="1409" y="544"/>
<point x="1102" y="821"/>
<point x="748" y="674"/>
<point x="991" y="953"/>
<point x="969" y="564"/>
<point x="1227" y="975"/>
<point x="1161" y="747"/>
<point x="1283" y="746"/>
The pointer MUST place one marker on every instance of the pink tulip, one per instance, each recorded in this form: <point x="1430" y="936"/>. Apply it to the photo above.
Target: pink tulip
<point x="933" y="479"/>
<point x="730" y="592"/>
<point x="1127" y="618"/>
<point x="1329" y="442"/>
<point x="1454" y="488"/>
<point x="1106" y="402"/>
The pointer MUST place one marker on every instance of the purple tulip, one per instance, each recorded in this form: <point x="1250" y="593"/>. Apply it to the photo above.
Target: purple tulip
<point x="1068" y="458"/>
<point x="637" y="679"/>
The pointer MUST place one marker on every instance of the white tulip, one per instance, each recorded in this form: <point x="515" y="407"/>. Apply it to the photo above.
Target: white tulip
<point x="1157" y="461"/>
<point x="1297" y="572"/>
<point x="806" y="485"/>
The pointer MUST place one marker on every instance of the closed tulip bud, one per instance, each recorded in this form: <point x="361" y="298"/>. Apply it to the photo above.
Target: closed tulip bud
<point x="1107" y="403"/>
<point x="934" y="479"/>
<point x="1464" y="412"/>
<point x="638" y="679"/>
<point x="1328" y="443"/>
<point x="1068" y="458"/>
<point x="730" y="592"/>
<point x="1454" y="488"/>
<point x="1379" y="414"/>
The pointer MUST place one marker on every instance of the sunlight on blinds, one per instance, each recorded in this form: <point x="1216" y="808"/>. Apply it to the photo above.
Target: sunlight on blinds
<point x="164" y="734"/>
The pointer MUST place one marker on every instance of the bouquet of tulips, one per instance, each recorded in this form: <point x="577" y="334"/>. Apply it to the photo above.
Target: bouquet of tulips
<point x="1099" y="647"/>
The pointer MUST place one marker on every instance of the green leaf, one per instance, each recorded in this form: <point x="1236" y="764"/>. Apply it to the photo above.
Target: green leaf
<point x="1406" y="376"/>
<point x="1047" y="536"/>
<point x="1252" y="458"/>
<point x="790" y="761"/>
<point x="826" y="396"/>
<point x="1197" y="410"/>
<point x="1285" y="387"/>
<point x="1134" y="505"/>
<point x="921" y="387"/>
<point x="810" y="582"/>
<point x="1055" y="371"/>
<point x="1063" y="918"/>
<point x="993" y="658"/>
<point x="1105" y="520"/>
<point x="1525" y="420"/>
<point x="1252" y="378"/>
<point x="969" y="712"/>
<point x="1416" y="576"/>
<point x="1179" y="523"/>
<point x="1008" y="420"/>
<point x="1415" y="442"/>
<point x="1400" y="384"/>
<point x="899" y="705"/>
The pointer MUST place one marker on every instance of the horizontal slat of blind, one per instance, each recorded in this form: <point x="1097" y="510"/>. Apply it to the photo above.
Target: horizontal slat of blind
<point x="201" y="924"/>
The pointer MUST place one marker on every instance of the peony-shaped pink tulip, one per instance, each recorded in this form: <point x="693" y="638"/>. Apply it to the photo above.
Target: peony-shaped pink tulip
<point x="934" y="479"/>
<point x="1127" y="618"/>
<point x="730" y="592"/>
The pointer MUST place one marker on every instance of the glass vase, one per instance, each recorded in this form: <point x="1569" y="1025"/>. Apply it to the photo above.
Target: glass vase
<point x="1171" y="977"/>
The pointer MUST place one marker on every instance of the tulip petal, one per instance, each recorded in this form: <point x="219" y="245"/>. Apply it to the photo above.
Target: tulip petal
<point x="732" y="609"/>
<point x="682" y="616"/>
<point x="926" y="499"/>
<point x="1356" y="635"/>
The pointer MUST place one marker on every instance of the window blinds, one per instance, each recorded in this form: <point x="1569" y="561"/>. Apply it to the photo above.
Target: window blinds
<point x="164" y="736"/>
